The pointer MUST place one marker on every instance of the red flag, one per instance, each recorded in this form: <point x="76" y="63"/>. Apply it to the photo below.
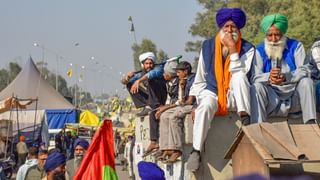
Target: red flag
<point x="98" y="162"/>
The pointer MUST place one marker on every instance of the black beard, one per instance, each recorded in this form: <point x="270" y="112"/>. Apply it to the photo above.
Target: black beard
<point x="59" y="176"/>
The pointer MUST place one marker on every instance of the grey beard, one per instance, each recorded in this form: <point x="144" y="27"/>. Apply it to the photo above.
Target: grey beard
<point x="275" y="50"/>
<point x="77" y="160"/>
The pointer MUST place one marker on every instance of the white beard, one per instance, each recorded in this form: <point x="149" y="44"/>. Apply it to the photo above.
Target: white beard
<point x="225" y="50"/>
<point x="235" y="35"/>
<point x="275" y="50"/>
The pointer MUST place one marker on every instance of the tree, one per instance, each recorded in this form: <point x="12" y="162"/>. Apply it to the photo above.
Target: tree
<point x="63" y="86"/>
<point x="7" y="76"/>
<point x="63" y="89"/>
<point x="14" y="70"/>
<point x="304" y="23"/>
<point x="4" y="79"/>
<point x="145" y="46"/>
<point x="161" y="56"/>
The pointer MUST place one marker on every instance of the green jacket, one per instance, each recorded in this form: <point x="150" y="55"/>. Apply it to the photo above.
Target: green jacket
<point x="34" y="172"/>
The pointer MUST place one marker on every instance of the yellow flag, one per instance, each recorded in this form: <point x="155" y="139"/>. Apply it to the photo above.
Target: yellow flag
<point x="69" y="73"/>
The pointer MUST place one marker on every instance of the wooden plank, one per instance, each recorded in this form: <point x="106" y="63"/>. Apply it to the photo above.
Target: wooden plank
<point x="254" y="134"/>
<point x="246" y="160"/>
<point x="279" y="141"/>
<point x="307" y="139"/>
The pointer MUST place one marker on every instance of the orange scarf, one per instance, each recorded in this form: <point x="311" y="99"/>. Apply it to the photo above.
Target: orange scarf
<point x="223" y="75"/>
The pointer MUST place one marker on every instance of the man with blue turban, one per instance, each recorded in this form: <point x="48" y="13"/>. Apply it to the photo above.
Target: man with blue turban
<point x="55" y="166"/>
<point x="150" y="170"/>
<point x="281" y="75"/>
<point x="80" y="147"/>
<point x="221" y="83"/>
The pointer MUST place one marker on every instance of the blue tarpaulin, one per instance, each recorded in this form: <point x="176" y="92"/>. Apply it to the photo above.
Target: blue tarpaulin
<point x="58" y="117"/>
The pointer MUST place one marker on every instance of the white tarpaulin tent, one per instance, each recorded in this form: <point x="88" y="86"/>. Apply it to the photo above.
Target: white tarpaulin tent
<point x="30" y="85"/>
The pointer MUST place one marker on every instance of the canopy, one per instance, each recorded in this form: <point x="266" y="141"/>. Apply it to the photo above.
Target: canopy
<point x="58" y="117"/>
<point x="88" y="118"/>
<point x="29" y="84"/>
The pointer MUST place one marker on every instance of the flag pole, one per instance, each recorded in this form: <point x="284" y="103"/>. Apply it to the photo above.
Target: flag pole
<point x="132" y="29"/>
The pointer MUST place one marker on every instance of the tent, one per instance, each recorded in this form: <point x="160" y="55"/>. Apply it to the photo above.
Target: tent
<point x="29" y="84"/>
<point x="88" y="118"/>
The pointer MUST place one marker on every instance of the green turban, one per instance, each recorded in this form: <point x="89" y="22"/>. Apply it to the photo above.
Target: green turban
<point x="279" y="20"/>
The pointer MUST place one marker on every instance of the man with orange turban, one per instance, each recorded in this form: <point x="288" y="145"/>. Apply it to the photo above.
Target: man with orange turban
<point x="22" y="150"/>
<point x="221" y="81"/>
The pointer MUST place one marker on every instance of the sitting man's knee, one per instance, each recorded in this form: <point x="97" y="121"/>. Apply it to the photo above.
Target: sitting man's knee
<point x="239" y="78"/>
<point x="257" y="87"/>
<point x="306" y="82"/>
<point x="207" y="105"/>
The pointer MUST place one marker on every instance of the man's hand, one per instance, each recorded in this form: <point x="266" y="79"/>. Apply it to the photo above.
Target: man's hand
<point x="130" y="74"/>
<point x="127" y="77"/>
<point x="158" y="114"/>
<point x="160" y="110"/>
<point x="229" y="42"/>
<point x="135" y="87"/>
<point x="276" y="77"/>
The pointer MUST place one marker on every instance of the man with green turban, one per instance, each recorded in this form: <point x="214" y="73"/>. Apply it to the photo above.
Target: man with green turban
<point x="280" y="75"/>
<point x="279" y="20"/>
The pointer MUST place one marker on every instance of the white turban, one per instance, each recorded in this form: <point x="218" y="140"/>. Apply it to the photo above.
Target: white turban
<point x="147" y="55"/>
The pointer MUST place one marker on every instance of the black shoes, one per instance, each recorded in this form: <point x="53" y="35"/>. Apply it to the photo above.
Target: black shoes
<point x="145" y="111"/>
<point x="245" y="120"/>
<point x="311" y="121"/>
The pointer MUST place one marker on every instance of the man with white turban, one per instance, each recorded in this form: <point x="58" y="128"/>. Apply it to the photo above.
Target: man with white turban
<point x="221" y="81"/>
<point x="147" y="87"/>
<point x="281" y="75"/>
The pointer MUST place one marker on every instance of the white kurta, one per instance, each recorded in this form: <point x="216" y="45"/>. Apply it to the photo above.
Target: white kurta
<point x="294" y="95"/>
<point x="238" y="95"/>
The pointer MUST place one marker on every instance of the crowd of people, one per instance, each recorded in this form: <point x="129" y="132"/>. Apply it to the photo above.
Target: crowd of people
<point x="37" y="162"/>
<point x="273" y="79"/>
<point x="124" y="151"/>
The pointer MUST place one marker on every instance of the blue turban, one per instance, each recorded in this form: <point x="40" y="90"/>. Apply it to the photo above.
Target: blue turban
<point x="54" y="160"/>
<point x="234" y="14"/>
<point x="252" y="176"/>
<point x="149" y="170"/>
<point x="82" y="142"/>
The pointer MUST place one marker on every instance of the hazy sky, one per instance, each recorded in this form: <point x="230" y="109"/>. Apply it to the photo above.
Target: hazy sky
<point x="101" y="30"/>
